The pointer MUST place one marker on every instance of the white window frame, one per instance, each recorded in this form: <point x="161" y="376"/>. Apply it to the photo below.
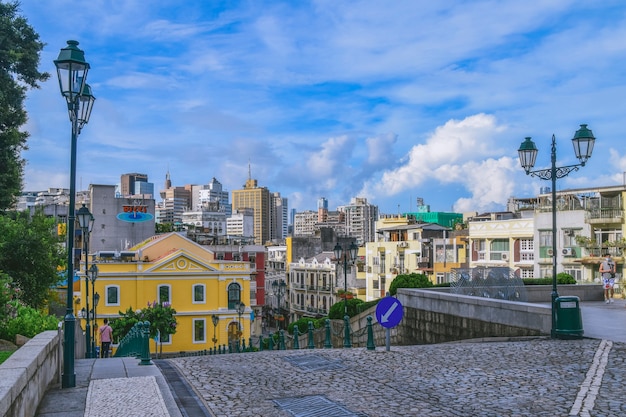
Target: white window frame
<point x="106" y="295"/>
<point x="169" y="294"/>
<point x="193" y="330"/>
<point x="193" y="294"/>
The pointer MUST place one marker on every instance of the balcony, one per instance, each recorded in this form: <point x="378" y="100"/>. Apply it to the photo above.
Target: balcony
<point x="604" y="216"/>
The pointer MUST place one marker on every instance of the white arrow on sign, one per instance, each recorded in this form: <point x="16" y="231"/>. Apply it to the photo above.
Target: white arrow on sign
<point x="385" y="317"/>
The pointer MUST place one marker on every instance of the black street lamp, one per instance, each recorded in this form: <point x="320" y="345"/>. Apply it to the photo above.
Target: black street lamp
<point x="72" y="72"/>
<point x="215" y="318"/>
<point x="96" y="300"/>
<point x="91" y="341"/>
<point x="583" y="142"/>
<point x="349" y="255"/>
<point x="241" y="307"/>
<point x="85" y="221"/>
<point x="278" y="287"/>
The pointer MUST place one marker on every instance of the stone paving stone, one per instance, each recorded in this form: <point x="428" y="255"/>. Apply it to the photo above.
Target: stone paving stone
<point x="125" y="397"/>
<point x="538" y="377"/>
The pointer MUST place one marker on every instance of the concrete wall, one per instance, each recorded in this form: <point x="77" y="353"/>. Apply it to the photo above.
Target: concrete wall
<point x="542" y="293"/>
<point x="26" y="374"/>
<point x="437" y="317"/>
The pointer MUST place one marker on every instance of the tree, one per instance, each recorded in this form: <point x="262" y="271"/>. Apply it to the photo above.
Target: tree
<point x="30" y="254"/>
<point x="160" y="315"/>
<point x="336" y="311"/>
<point x="409" y="281"/>
<point x="19" y="57"/>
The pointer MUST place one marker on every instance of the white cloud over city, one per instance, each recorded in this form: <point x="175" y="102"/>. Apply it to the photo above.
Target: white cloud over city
<point x="392" y="101"/>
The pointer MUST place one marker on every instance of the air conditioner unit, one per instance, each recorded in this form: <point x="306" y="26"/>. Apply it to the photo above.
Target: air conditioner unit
<point x="568" y="252"/>
<point x="505" y="256"/>
<point x="403" y="244"/>
<point x="549" y="252"/>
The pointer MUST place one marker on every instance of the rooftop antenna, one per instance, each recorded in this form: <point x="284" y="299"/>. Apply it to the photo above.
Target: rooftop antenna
<point x="249" y="170"/>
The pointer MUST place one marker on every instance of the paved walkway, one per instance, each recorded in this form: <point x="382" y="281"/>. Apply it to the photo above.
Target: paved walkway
<point x="524" y="377"/>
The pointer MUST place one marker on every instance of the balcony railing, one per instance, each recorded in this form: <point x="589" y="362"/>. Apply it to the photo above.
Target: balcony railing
<point x="609" y="215"/>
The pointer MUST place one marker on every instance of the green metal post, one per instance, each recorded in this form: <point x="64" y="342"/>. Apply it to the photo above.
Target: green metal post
<point x="281" y="339"/>
<point x="370" y="334"/>
<point x="260" y="343"/>
<point x="327" y="342"/>
<point x="296" y="336"/>
<point x="271" y="346"/>
<point x="347" y="340"/>
<point x="311" y="339"/>
<point x="145" y="356"/>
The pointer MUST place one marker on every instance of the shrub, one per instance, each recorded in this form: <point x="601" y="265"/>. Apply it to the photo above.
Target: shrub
<point x="409" y="281"/>
<point x="28" y="322"/>
<point x="561" y="279"/>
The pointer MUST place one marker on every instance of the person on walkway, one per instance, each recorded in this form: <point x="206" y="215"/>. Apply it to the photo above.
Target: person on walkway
<point x="106" y="337"/>
<point x="607" y="270"/>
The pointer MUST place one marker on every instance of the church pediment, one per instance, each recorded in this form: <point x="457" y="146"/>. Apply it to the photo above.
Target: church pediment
<point x="180" y="263"/>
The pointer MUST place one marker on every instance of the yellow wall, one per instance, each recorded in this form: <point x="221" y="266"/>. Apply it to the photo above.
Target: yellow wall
<point x="180" y="264"/>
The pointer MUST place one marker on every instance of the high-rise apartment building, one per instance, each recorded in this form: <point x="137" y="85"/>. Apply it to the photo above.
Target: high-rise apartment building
<point x="258" y="199"/>
<point x="280" y="214"/>
<point x="128" y="185"/>
<point x="176" y="200"/>
<point x="210" y="193"/>
<point x="360" y="219"/>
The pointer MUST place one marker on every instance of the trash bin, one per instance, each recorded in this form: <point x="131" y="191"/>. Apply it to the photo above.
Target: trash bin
<point x="569" y="321"/>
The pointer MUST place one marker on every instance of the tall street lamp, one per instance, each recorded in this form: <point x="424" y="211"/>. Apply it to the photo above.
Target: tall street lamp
<point x="241" y="307"/>
<point x="96" y="300"/>
<point x="72" y="73"/>
<point x="85" y="221"/>
<point x="93" y="275"/>
<point x="583" y="142"/>
<point x="279" y="287"/>
<point x="349" y="255"/>
<point x="215" y="318"/>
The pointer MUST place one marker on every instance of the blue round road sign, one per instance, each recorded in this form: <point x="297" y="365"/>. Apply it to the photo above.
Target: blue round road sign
<point x="389" y="312"/>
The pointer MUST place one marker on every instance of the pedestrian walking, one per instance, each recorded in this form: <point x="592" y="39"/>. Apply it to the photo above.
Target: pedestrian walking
<point x="607" y="270"/>
<point x="106" y="337"/>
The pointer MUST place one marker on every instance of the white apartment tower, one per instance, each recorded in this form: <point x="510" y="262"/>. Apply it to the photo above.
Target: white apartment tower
<point x="360" y="220"/>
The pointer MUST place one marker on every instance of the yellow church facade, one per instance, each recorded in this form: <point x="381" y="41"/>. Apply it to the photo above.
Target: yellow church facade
<point x="171" y="268"/>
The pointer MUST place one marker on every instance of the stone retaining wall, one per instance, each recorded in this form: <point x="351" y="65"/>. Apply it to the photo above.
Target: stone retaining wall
<point x="437" y="317"/>
<point x="25" y="375"/>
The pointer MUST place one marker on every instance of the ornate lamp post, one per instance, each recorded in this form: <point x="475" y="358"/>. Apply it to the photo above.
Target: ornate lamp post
<point x="583" y="142"/>
<point x="278" y="287"/>
<point x="85" y="221"/>
<point x="215" y="318"/>
<point x="340" y="255"/>
<point x="241" y="307"/>
<point x="91" y="342"/>
<point x="72" y="72"/>
<point x="96" y="300"/>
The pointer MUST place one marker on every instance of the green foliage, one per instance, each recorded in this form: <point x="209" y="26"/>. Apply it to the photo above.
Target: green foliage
<point x="160" y="315"/>
<point x="562" y="278"/>
<point x="28" y="322"/>
<point x="30" y="254"/>
<point x="4" y="355"/>
<point x="337" y="310"/>
<point x="122" y="325"/>
<point x="409" y="281"/>
<point x="303" y="325"/>
<point x="19" y="58"/>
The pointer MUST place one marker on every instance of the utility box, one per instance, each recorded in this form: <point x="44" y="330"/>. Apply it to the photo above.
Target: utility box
<point x="569" y="321"/>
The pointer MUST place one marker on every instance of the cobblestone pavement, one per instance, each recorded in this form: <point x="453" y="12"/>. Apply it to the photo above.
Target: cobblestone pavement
<point x="532" y="377"/>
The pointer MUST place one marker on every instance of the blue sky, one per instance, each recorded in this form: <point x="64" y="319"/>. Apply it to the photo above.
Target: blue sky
<point x="391" y="101"/>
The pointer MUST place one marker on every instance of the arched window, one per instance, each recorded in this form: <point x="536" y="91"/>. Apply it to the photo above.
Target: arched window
<point x="198" y="293"/>
<point x="112" y="295"/>
<point x="164" y="294"/>
<point x="234" y="295"/>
